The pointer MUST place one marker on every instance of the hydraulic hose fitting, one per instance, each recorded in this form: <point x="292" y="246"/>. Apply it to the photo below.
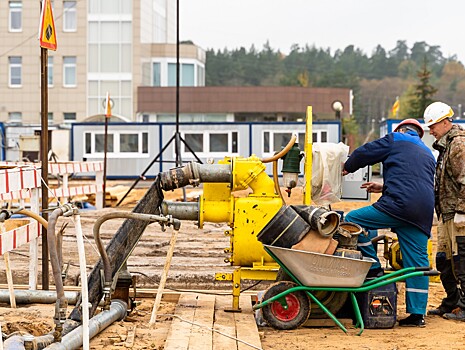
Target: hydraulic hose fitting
<point x="107" y="295"/>
<point x="59" y="318"/>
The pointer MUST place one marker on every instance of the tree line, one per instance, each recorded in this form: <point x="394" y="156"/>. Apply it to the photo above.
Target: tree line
<point x="376" y="79"/>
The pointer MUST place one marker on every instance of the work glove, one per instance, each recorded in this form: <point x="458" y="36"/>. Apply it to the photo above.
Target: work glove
<point x="459" y="220"/>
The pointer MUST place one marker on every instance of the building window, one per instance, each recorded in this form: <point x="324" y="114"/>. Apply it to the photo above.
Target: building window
<point x="276" y="141"/>
<point x="15" y="117"/>
<point x="50" y="117"/>
<point x="16" y="9"/>
<point x="69" y="16"/>
<point x="210" y="142"/>
<point x="156" y="75"/>
<point x="171" y="74"/>
<point x="69" y="71"/>
<point x="69" y="117"/>
<point x="187" y="74"/>
<point x="15" y="68"/>
<point x="120" y="144"/>
<point x="50" y="71"/>
<point x="200" y="76"/>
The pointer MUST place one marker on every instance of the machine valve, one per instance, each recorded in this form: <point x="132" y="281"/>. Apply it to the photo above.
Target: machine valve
<point x="291" y="168"/>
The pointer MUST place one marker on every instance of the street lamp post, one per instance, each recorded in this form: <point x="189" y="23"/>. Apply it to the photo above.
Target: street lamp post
<point x="337" y="107"/>
<point x="458" y="111"/>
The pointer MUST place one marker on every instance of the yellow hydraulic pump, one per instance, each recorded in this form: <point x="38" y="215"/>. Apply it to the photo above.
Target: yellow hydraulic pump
<point x="246" y="216"/>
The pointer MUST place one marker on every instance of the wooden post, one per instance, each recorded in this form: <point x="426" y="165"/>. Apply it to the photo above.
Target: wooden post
<point x="9" y="276"/>
<point x="163" y="277"/>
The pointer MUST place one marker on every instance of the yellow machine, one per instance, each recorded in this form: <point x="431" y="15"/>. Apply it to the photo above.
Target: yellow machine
<point x="246" y="216"/>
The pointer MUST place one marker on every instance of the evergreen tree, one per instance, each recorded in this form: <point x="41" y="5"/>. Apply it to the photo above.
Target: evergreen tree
<point x="423" y="92"/>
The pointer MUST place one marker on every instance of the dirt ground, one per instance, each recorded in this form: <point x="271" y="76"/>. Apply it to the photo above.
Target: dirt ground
<point x="198" y="255"/>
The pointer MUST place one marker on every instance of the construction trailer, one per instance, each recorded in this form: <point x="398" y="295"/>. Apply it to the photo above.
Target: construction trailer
<point x="133" y="146"/>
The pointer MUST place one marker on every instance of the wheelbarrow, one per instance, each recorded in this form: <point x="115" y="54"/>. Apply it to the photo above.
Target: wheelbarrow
<point x="286" y="305"/>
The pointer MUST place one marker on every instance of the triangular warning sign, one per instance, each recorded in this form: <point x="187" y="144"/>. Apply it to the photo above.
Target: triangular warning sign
<point x="47" y="36"/>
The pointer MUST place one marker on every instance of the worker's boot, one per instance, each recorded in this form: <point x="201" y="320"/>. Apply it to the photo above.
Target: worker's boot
<point x="441" y="310"/>
<point x="414" y="320"/>
<point x="449" y="282"/>
<point x="458" y="315"/>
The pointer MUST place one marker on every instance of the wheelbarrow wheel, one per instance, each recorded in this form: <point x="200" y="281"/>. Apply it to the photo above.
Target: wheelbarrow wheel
<point x="334" y="301"/>
<point x="296" y="313"/>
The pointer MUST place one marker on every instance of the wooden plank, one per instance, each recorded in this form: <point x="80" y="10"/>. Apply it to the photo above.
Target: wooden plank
<point x="130" y="337"/>
<point x="9" y="277"/>
<point x="246" y="327"/>
<point x="225" y="323"/>
<point x="201" y="337"/>
<point x="178" y="336"/>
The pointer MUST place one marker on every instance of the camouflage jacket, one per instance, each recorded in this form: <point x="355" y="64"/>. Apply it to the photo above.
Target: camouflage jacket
<point x="449" y="188"/>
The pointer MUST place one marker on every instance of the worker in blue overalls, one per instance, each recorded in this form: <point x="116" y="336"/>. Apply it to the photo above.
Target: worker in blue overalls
<point x="406" y="205"/>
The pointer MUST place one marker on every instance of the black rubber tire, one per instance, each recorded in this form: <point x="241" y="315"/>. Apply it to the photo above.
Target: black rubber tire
<point x="334" y="301"/>
<point x="298" y="307"/>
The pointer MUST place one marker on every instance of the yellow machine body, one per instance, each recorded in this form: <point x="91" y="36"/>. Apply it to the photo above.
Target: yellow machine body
<point x="246" y="216"/>
<point x="393" y="255"/>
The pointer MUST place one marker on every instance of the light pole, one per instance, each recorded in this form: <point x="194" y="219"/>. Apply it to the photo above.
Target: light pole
<point x="337" y="107"/>
<point x="458" y="109"/>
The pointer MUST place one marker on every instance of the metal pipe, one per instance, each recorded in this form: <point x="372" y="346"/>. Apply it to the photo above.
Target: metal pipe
<point x="15" y="342"/>
<point x="103" y="253"/>
<point x="326" y="222"/>
<point x="181" y="210"/>
<point x="37" y="297"/>
<point x="73" y="340"/>
<point x="194" y="174"/>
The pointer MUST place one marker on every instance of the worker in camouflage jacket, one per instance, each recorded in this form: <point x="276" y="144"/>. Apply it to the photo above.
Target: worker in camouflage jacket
<point x="450" y="208"/>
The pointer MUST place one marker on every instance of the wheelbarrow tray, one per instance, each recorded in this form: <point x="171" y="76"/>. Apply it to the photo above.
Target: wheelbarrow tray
<point x="323" y="270"/>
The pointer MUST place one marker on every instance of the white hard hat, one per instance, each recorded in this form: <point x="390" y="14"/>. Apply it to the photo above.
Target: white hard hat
<point x="436" y="112"/>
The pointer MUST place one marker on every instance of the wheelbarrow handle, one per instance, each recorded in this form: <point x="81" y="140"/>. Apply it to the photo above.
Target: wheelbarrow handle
<point x="422" y="268"/>
<point x="432" y="273"/>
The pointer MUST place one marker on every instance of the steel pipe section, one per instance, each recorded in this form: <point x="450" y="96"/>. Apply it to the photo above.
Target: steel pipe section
<point x="194" y="174"/>
<point x="37" y="297"/>
<point x="181" y="210"/>
<point x="73" y="340"/>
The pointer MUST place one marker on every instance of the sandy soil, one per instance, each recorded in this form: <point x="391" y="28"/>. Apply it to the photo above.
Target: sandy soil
<point x="198" y="255"/>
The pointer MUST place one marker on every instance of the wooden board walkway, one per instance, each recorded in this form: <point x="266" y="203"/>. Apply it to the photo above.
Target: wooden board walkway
<point x="200" y="323"/>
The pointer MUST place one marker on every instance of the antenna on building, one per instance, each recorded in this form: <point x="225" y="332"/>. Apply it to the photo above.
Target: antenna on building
<point x="177" y="135"/>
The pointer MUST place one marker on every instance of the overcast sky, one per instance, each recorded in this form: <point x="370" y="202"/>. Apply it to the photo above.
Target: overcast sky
<point x="332" y="24"/>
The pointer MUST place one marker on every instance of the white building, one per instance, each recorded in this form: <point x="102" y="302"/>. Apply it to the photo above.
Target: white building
<point x="111" y="46"/>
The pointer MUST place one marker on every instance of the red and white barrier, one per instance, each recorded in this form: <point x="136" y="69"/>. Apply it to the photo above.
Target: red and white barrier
<point x="19" y="180"/>
<point x="10" y="240"/>
<point x="16" y="183"/>
<point x="19" y="177"/>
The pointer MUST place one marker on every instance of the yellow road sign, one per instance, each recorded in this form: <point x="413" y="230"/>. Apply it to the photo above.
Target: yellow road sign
<point x="47" y="36"/>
